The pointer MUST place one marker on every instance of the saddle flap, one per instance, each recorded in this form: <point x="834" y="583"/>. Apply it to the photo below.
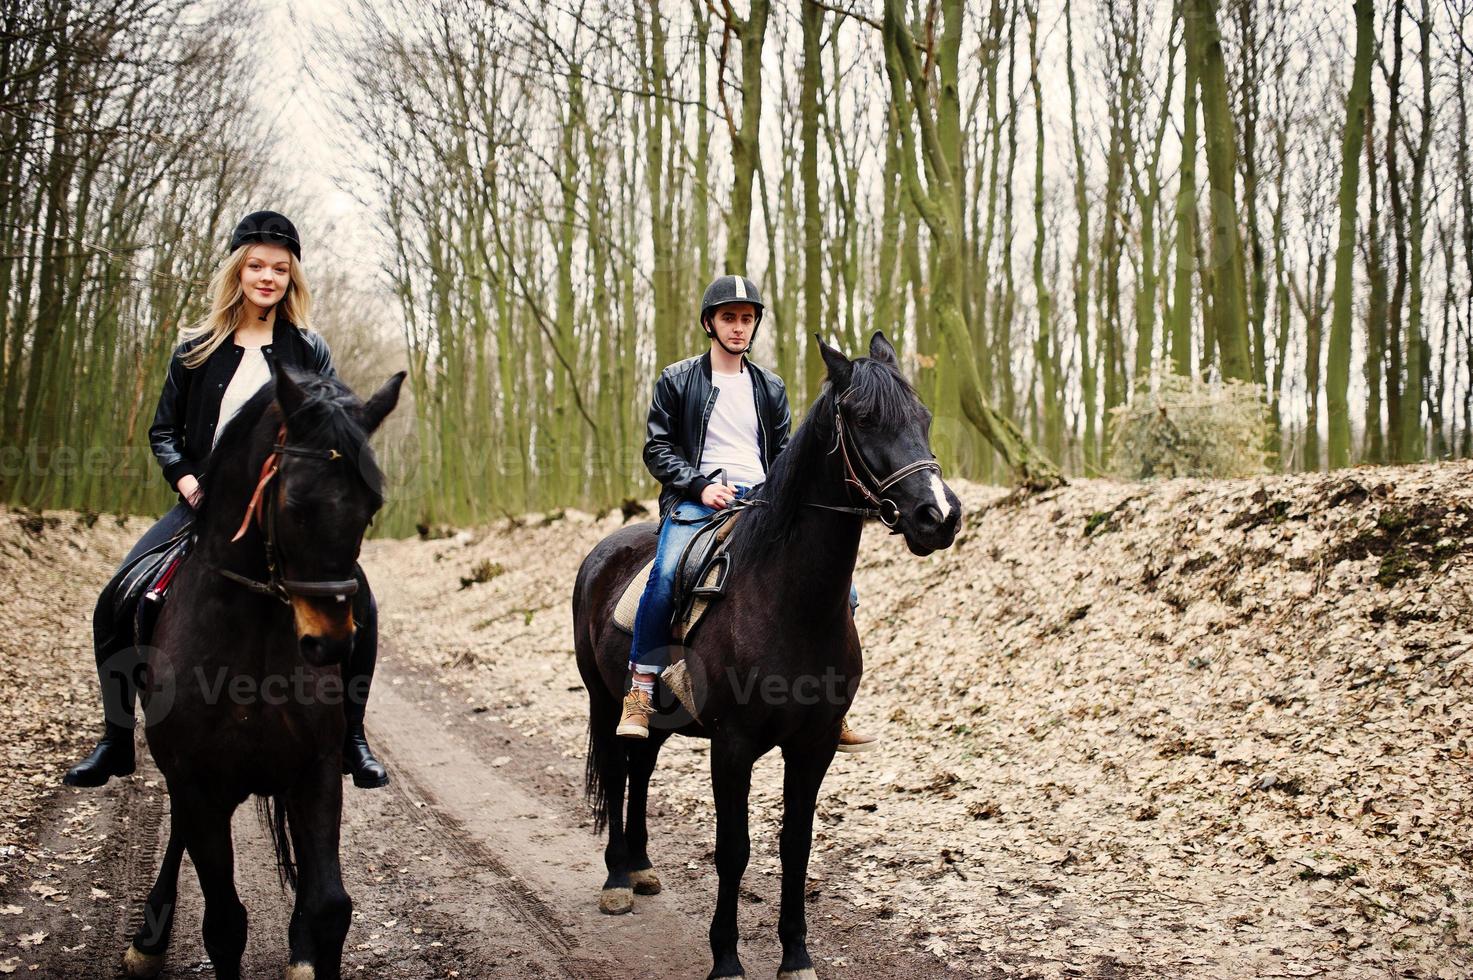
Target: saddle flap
<point x="148" y="574"/>
<point x="708" y="544"/>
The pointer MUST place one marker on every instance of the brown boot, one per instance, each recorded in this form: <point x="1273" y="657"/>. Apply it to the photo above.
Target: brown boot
<point x="635" y="722"/>
<point x="852" y="741"/>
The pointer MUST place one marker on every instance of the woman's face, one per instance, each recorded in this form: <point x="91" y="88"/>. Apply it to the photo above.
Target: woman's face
<point x="265" y="275"/>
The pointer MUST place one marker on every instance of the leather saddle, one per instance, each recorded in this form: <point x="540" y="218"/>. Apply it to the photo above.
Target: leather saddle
<point x="700" y="576"/>
<point x="144" y="585"/>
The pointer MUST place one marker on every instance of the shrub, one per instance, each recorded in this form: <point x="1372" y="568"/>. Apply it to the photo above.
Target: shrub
<point x="1185" y="426"/>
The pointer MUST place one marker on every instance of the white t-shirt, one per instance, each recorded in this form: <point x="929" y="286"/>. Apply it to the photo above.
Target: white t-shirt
<point x="250" y="374"/>
<point x="731" y="435"/>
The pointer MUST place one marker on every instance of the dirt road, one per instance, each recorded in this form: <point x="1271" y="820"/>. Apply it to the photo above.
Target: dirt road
<point x="476" y="861"/>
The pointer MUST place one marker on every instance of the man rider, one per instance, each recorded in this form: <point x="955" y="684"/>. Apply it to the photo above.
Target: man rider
<point x="715" y="413"/>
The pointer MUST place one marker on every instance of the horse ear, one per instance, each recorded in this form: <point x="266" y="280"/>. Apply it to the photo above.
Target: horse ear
<point x="289" y="394"/>
<point x="840" y="368"/>
<point x="881" y="349"/>
<point x="382" y="402"/>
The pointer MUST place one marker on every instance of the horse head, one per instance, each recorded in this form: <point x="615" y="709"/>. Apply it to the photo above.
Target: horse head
<point x="883" y="432"/>
<point x="326" y="490"/>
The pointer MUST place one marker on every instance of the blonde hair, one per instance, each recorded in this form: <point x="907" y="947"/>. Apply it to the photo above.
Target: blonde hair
<point x="227" y="305"/>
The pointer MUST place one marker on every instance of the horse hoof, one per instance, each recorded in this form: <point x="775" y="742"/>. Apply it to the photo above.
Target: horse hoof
<point x="142" y="966"/>
<point x="616" y="901"/>
<point x="807" y="973"/>
<point x="645" y="882"/>
<point x="301" y="971"/>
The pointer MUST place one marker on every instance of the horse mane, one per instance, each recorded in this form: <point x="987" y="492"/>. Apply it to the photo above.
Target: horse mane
<point x="877" y="394"/>
<point x="325" y="420"/>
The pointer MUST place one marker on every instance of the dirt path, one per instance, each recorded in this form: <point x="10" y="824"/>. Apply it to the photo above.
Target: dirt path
<point x="476" y="861"/>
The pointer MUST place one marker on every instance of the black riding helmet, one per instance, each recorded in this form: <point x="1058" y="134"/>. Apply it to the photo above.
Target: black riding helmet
<point x="730" y="289"/>
<point x="268" y="227"/>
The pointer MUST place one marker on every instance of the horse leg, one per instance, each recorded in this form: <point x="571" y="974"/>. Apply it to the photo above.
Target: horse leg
<point x="642" y="756"/>
<point x="803" y="772"/>
<point x="323" y="911"/>
<point x="213" y="854"/>
<point x="609" y="757"/>
<point x="144" y="957"/>
<point x="731" y="780"/>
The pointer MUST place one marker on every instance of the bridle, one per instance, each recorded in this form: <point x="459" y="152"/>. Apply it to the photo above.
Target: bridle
<point x="265" y="518"/>
<point x="870" y="487"/>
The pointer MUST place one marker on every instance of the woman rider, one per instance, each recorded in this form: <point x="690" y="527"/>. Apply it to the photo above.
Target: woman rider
<point x="259" y="313"/>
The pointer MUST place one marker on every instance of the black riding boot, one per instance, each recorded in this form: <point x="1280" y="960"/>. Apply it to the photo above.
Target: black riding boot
<point x="358" y="760"/>
<point x="112" y="757"/>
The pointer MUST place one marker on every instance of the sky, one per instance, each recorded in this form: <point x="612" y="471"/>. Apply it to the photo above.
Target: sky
<point x="312" y="138"/>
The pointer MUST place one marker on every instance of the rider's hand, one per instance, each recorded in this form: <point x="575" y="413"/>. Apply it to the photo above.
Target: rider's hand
<point x="189" y="487"/>
<point x="718" y="495"/>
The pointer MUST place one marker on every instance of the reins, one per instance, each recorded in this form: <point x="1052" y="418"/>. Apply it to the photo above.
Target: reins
<point x="265" y="518"/>
<point x="884" y="509"/>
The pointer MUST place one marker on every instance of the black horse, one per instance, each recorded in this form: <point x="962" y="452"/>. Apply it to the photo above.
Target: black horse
<point x="244" y="691"/>
<point x="775" y="663"/>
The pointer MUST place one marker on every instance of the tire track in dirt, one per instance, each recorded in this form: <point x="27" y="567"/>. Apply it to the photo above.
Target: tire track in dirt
<point x="530" y="912"/>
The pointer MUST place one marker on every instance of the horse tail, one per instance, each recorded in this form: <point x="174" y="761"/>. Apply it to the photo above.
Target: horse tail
<point x="594" y="789"/>
<point x="273" y="814"/>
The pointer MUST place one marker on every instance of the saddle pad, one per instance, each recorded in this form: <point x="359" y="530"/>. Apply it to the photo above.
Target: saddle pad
<point x="628" y="606"/>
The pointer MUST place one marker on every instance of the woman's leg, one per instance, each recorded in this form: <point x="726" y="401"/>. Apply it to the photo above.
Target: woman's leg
<point x="358" y="760"/>
<point x="119" y="662"/>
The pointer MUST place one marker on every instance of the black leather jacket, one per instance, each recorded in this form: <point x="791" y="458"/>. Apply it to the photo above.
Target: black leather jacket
<point x="679" y="412"/>
<point x="183" y="427"/>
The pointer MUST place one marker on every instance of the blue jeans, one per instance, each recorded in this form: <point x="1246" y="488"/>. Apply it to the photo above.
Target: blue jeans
<point x="650" y="651"/>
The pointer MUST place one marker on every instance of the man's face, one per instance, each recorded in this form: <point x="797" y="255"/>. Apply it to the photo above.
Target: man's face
<point x="734" y="324"/>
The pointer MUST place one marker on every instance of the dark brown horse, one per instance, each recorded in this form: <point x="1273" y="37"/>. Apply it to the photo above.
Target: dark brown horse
<point x="244" y="692"/>
<point x="775" y="664"/>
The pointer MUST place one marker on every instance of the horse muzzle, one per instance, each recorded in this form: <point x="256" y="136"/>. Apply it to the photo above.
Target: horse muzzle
<point x="932" y="524"/>
<point x="324" y="629"/>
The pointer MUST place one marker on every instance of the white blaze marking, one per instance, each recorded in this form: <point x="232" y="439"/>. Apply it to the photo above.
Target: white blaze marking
<point x="939" y="489"/>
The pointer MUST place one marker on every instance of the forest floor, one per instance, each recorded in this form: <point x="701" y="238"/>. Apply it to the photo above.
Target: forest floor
<point x="1183" y="729"/>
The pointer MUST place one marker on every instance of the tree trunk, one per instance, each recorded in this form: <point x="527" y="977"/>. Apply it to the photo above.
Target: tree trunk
<point x="934" y="198"/>
<point x="1229" y="293"/>
<point x="1338" y="381"/>
<point x="745" y="138"/>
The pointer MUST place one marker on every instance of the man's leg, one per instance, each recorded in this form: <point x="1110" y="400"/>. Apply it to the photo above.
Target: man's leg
<point x="849" y="739"/>
<point x="650" y="652"/>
